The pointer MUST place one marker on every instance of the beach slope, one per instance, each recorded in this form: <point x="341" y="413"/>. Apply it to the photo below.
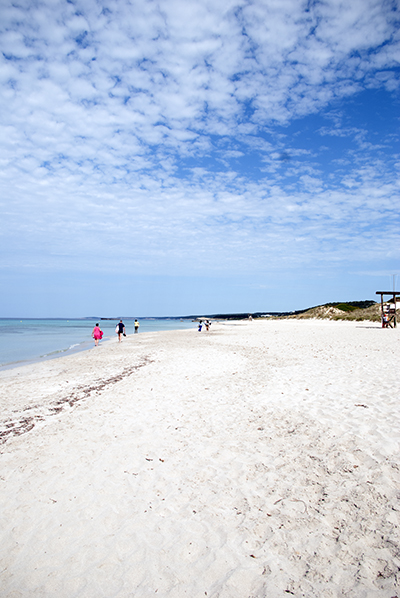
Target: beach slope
<point x="259" y="459"/>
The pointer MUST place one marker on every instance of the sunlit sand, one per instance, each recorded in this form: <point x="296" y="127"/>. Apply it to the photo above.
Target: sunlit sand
<point x="259" y="459"/>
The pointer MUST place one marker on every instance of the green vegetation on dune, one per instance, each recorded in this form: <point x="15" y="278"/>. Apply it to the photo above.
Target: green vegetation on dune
<point x="353" y="310"/>
<point x="352" y="305"/>
<point x="345" y="307"/>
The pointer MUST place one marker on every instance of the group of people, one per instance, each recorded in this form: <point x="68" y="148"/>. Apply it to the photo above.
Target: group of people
<point x="207" y="325"/>
<point x="386" y="320"/>
<point x="97" y="333"/>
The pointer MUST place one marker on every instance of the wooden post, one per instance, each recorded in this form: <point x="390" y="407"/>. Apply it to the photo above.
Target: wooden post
<point x="395" y="310"/>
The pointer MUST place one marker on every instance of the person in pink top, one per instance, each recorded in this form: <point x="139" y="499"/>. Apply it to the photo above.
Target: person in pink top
<point x="96" y="334"/>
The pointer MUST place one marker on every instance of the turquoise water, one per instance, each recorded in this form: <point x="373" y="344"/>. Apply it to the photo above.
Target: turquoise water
<point x="26" y="341"/>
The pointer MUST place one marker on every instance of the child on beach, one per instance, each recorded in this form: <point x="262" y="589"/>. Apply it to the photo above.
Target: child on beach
<point x="97" y="334"/>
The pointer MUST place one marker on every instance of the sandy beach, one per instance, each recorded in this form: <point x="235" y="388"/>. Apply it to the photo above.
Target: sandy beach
<point x="260" y="459"/>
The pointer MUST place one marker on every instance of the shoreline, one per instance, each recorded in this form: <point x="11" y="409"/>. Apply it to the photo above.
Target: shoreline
<point x="54" y="355"/>
<point x="260" y="458"/>
<point x="75" y="343"/>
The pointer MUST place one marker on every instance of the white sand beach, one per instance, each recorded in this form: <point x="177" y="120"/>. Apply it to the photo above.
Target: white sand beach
<point x="260" y="459"/>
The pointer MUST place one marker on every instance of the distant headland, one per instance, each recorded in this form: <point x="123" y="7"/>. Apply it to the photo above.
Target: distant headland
<point x="349" y="310"/>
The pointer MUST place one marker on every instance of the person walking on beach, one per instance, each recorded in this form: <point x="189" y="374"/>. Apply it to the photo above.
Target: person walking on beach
<point x="120" y="329"/>
<point x="136" y="326"/>
<point x="97" y="334"/>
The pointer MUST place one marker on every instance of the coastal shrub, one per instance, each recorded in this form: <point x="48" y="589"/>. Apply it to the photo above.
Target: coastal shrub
<point x="358" y="311"/>
<point x="345" y="307"/>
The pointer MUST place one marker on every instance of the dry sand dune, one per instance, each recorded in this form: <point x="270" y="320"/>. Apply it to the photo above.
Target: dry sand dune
<point x="260" y="459"/>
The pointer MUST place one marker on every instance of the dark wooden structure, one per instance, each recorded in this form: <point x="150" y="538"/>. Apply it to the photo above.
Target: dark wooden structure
<point x="388" y="312"/>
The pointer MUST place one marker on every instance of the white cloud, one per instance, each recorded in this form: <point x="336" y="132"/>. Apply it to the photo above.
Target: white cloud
<point x="124" y="126"/>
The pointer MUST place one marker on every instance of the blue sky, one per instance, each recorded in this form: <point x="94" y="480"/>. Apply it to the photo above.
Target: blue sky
<point x="174" y="157"/>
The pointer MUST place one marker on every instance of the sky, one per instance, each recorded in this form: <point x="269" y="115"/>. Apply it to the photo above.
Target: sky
<point x="178" y="157"/>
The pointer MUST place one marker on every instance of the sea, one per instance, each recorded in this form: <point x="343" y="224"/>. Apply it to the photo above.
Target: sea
<point x="25" y="341"/>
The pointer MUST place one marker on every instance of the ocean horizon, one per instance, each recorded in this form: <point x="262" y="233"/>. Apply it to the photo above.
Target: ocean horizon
<point x="28" y="340"/>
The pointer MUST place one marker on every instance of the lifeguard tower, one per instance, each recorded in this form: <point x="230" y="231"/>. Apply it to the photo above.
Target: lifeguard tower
<point x="388" y="308"/>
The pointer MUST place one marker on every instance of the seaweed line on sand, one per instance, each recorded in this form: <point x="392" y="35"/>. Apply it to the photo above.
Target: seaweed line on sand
<point x="25" y="423"/>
